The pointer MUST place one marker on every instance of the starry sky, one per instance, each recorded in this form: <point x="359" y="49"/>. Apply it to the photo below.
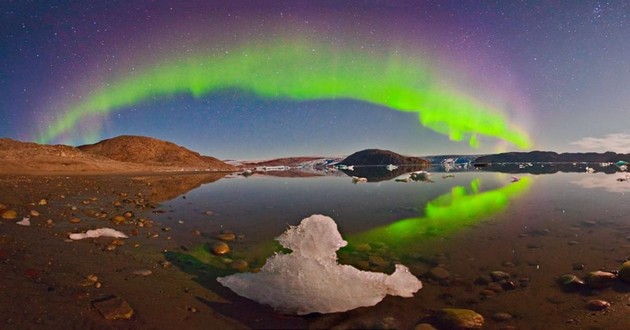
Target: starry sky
<point x="263" y="79"/>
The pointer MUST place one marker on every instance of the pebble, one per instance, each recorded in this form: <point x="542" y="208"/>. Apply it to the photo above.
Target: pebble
<point x="570" y="282"/>
<point x="34" y="213"/>
<point x="483" y="280"/>
<point x="9" y="214"/>
<point x="577" y="266"/>
<point x="75" y="220"/>
<point x="455" y="318"/>
<point x="600" y="279"/>
<point x="501" y="317"/>
<point x="128" y="214"/>
<point x="240" y="265"/>
<point x="495" y="286"/>
<point x="118" y="219"/>
<point x="113" y="308"/>
<point x="43" y="201"/>
<point x="378" y="261"/>
<point x="624" y="272"/>
<point x="142" y="272"/>
<point x="363" y="247"/>
<point x="498" y="275"/>
<point x="220" y="248"/>
<point x="439" y="273"/>
<point x="597" y="304"/>
<point x="228" y="237"/>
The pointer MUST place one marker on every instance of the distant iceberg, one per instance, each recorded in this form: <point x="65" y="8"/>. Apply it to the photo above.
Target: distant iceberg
<point x="311" y="280"/>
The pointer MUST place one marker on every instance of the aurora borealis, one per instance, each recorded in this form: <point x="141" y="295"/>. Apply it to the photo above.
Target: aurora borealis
<point x="237" y="80"/>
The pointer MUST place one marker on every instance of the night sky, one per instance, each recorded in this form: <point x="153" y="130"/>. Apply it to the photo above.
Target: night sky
<point x="263" y="79"/>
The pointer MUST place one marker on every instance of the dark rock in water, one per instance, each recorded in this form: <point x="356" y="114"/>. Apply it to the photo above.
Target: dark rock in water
<point x="483" y="280"/>
<point x="508" y="285"/>
<point x="113" y="308"/>
<point x="424" y="326"/>
<point x="600" y="279"/>
<point x="439" y="274"/>
<point x="624" y="272"/>
<point x="577" y="266"/>
<point x="498" y="275"/>
<point x="455" y="318"/>
<point x="501" y="317"/>
<point x="597" y="304"/>
<point x="495" y="286"/>
<point x="570" y="282"/>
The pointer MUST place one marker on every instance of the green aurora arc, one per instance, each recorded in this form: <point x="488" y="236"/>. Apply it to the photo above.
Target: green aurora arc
<point x="301" y="71"/>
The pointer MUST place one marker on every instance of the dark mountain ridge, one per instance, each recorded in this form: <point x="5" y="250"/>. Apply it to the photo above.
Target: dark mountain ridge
<point x="553" y="157"/>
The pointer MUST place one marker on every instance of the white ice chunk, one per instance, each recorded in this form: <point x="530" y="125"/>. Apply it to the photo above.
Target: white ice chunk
<point x="24" y="222"/>
<point x="101" y="232"/>
<point x="310" y="280"/>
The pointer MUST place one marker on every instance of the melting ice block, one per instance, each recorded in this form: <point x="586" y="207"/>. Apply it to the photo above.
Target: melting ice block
<point x="310" y="280"/>
<point x="94" y="233"/>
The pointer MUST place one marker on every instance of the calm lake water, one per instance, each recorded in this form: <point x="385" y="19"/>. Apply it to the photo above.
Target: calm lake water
<point x="467" y="223"/>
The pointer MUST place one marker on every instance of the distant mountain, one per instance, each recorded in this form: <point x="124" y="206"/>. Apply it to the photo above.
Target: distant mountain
<point x="552" y="157"/>
<point x="153" y="152"/>
<point x="381" y="157"/>
<point x="289" y="161"/>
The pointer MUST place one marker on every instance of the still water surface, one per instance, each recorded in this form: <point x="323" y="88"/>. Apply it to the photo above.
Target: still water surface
<point x="469" y="224"/>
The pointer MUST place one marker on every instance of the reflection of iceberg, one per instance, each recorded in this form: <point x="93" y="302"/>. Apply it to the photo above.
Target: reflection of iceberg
<point x="420" y="176"/>
<point x="310" y="280"/>
<point x="391" y="167"/>
<point x="603" y="182"/>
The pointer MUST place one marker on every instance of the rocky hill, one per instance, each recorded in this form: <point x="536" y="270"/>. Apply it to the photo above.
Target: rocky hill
<point x="118" y="155"/>
<point x="152" y="152"/>
<point x="381" y="157"/>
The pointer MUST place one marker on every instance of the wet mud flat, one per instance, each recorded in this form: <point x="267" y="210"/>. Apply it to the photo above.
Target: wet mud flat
<point x="507" y="269"/>
<point x="50" y="282"/>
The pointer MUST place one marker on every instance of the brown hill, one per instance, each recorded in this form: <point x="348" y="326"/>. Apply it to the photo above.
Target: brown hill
<point x="118" y="155"/>
<point x="153" y="152"/>
<point x="26" y="157"/>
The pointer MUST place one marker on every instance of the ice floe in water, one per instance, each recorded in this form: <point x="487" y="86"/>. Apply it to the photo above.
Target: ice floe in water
<point x="311" y="280"/>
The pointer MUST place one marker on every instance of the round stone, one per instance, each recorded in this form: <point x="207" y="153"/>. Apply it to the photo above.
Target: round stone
<point x="570" y="282"/>
<point x="220" y="248"/>
<point x="75" y="220"/>
<point x="119" y="219"/>
<point x="34" y="213"/>
<point x="600" y="279"/>
<point x="228" y="237"/>
<point x="9" y="214"/>
<point x="597" y="304"/>
<point x="240" y="265"/>
<point x="498" y="275"/>
<point x="455" y="318"/>
<point x="439" y="273"/>
<point x="624" y="272"/>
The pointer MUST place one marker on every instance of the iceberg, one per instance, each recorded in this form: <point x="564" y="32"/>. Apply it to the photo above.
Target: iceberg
<point x="309" y="279"/>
